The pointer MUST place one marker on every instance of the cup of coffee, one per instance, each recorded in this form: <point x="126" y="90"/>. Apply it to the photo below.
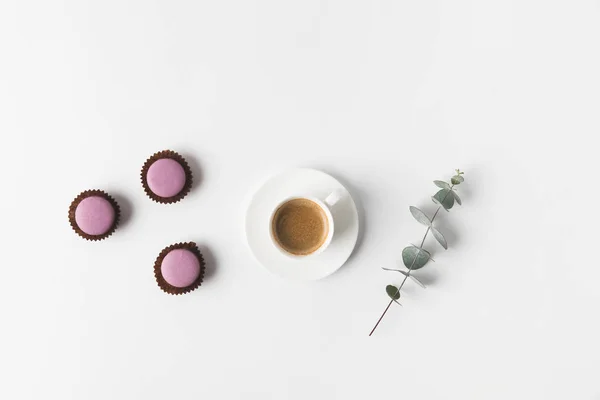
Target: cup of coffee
<point x="303" y="226"/>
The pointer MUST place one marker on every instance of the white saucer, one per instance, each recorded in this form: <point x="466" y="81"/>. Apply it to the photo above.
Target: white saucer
<point x="310" y="183"/>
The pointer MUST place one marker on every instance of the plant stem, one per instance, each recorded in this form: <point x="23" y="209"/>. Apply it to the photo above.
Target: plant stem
<point x="380" y="318"/>
<point x="411" y="265"/>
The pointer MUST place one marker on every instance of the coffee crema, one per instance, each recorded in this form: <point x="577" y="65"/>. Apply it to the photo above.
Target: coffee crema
<point x="300" y="226"/>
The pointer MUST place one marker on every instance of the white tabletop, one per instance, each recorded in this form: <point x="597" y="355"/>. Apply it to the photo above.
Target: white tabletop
<point x="386" y="96"/>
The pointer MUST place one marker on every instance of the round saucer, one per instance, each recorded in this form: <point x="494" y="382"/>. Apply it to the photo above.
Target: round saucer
<point x="309" y="183"/>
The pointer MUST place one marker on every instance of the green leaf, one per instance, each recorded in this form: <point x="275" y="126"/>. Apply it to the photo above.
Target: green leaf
<point x="457" y="179"/>
<point x="414" y="278"/>
<point x="420" y="216"/>
<point x="444" y="198"/>
<point x="414" y="257"/>
<point x="458" y="200"/>
<point x="393" y="292"/>
<point x="442" y="184"/>
<point x="439" y="237"/>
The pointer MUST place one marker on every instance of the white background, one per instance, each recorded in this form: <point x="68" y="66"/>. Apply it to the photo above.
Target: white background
<point x="387" y="96"/>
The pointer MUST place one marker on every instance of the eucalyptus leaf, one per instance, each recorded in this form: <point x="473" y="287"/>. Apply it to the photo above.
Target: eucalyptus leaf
<point x="426" y="252"/>
<point x="420" y="216"/>
<point x="414" y="278"/>
<point x="439" y="237"/>
<point x="414" y="257"/>
<point x="393" y="292"/>
<point x="444" y="198"/>
<point x="442" y="184"/>
<point x="457" y="179"/>
<point x="458" y="200"/>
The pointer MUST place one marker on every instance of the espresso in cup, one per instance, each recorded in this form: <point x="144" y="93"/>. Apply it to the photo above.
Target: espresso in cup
<point x="300" y="226"/>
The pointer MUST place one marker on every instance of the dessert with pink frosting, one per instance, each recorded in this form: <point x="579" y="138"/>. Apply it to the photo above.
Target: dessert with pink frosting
<point x="94" y="215"/>
<point x="179" y="268"/>
<point x="166" y="177"/>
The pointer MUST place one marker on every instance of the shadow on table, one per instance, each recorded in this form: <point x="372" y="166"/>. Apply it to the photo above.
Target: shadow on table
<point x="196" y="169"/>
<point x="210" y="261"/>
<point x="125" y="206"/>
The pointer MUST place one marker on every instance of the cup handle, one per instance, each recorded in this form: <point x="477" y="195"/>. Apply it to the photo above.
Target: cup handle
<point x="334" y="198"/>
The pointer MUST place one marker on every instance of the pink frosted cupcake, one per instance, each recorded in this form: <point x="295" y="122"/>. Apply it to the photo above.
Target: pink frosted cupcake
<point x="94" y="215"/>
<point x="166" y="177"/>
<point x="179" y="268"/>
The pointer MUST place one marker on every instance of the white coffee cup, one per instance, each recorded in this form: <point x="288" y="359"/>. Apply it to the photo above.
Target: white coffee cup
<point x="326" y="205"/>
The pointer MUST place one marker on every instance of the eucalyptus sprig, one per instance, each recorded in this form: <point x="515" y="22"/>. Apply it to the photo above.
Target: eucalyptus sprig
<point x="415" y="257"/>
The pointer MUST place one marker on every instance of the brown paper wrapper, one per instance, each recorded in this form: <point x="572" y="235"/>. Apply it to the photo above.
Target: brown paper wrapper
<point x="188" y="176"/>
<point x="84" y="195"/>
<point x="162" y="283"/>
